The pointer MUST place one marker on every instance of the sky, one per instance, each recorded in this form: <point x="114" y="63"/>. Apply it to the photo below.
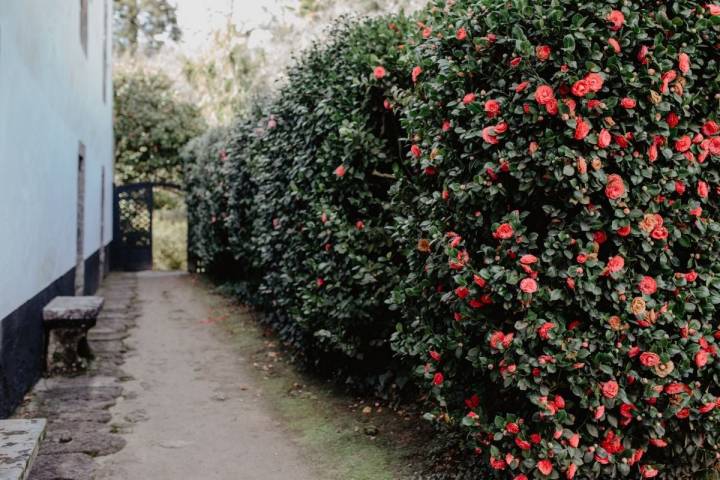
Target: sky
<point x="199" y="18"/>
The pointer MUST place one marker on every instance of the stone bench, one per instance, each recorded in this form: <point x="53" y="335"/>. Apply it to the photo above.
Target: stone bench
<point x="67" y="321"/>
<point x="19" y="445"/>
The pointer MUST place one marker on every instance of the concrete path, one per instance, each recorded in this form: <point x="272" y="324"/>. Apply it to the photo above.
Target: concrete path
<point x="190" y="408"/>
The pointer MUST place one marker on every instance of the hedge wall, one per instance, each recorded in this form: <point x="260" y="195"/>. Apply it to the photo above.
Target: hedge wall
<point x="520" y="198"/>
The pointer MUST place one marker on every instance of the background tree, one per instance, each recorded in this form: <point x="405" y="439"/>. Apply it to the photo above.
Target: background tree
<point x="152" y="125"/>
<point x="225" y="75"/>
<point x="144" y="25"/>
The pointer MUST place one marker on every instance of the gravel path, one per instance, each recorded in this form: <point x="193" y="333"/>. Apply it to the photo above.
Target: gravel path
<point x="173" y="400"/>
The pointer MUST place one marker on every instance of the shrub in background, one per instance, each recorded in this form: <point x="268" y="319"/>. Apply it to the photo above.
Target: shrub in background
<point x="205" y="162"/>
<point x="323" y="168"/>
<point x="563" y="300"/>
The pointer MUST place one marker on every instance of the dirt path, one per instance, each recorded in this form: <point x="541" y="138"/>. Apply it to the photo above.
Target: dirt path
<point x="191" y="408"/>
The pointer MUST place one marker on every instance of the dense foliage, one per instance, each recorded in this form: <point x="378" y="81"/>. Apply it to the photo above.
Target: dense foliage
<point x="152" y="125"/>
<point x="554" y="214"/>
<point x="322" y="163"/>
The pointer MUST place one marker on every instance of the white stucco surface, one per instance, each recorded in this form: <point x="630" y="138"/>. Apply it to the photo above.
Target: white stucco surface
<point x="51" y="100"/>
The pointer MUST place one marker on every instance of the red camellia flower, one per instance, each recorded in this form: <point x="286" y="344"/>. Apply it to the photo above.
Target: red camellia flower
<point x="469" y="98"/>
<point x="610" y="389"/>
<point x="582" y="129"/>
<point x="461" y="34"/>
<point x="379" y="72"/>
<point x="617" y="19"/>
<point x="360" y="225"/>
<point x="462" y="292"/>
<point x="512" y="427"/>
<point x="544" y="94"/>
<point x="542" y="52"/>
<point x="504" y="231"/>
<point x="416" y="151"/>
<point x="340" y="171"/>
<point x="545" y="467"/>
<point x="710" y="128"/>
<point x="435" y="355"/>
<point x="647" y="285"/>
<point x="492" y="108"/>
<point x="438" y="379"/>
<point x="628" y="103"/>
<point x="672" y="119"/>
<point x="615" y="187"/>
<point x="319" y="282"/>
<point x="544" y="330"/>
<point x="528" y="285"/>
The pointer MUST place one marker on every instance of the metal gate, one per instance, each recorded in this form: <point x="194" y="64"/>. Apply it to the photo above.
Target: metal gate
<point x="133" y="223"/>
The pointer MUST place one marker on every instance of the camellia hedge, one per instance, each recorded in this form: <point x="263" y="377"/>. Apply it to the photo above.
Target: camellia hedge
<point x="542" y="242"/>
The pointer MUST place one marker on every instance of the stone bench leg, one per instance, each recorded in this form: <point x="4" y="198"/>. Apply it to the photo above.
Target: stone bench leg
<point x="68" y="350"/>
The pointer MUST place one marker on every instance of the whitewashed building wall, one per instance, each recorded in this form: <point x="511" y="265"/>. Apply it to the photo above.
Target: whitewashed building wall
<point x="55" y="106"/>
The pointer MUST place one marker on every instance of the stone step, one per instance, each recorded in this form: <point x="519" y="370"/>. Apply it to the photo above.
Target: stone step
<point x="19" y="446"/>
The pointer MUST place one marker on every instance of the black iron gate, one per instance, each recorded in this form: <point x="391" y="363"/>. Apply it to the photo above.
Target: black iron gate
<point x="133" y="223"/>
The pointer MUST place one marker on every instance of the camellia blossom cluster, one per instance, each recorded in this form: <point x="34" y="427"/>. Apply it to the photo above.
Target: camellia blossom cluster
<point x="573" y="307"/>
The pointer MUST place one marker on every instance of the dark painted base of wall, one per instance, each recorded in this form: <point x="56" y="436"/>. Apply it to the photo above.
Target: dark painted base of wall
<point x="21" y="336"/>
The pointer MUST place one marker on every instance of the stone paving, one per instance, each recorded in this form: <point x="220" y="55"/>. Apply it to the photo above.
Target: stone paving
<point x="77" y="408"/>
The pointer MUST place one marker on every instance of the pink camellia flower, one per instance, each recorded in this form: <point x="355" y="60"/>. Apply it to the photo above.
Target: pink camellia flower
<point x="649" y="359"/>
<point x="594" y="81"/>
<point x="488" y="135"/>
<point x="615" y="187"/>
<point x="615" y="264"/>
<point x="416" y="151"/>
<point x="542" y="52"/>
<point x="320" y="282"/>
<point x="604" y="139"/>
<point x="701" y="358"/>
<point x="684" y="62"/>
<point x="469" y="98"/>
<point x="648" y="471"/>
<point x="610" y="389"/>
<point x="617" y="19"/>
<point x="614" y="44"/>
<point x="379" y="72"/>
<point x="571" y="471"/>
<point x="580" y="88"/>
<point x="504" y="231"/>
<point x="416" y="72"/>
<point x="683" y="144"/>
<point x="545" y="467"/>
<point x="647" y="285"/>
<point x="713" y="9"/>
<point x="446" y="126"/>
<point x="435" y="355"/>
<point x="702" y="189"/>
<point x="360" y="225"/>
<point x="340" y="171"/>
<point x="492" y="108"/>
<point x="628" y="103"/>
<point x="528" y="259"/>
<point x="544" y="94"/>
<point x="691" y="276"/>
<point x="582" y="129"/>
<point x="599" y="412"/>
<point x="528" y="285"/>
<point x="461" y="34"/>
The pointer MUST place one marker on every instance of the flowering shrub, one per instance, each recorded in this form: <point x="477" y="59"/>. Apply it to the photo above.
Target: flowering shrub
<point x="561" y="228"/>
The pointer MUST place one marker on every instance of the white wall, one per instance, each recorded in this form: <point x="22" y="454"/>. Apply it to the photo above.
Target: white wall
<point x="51" y="100"/>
